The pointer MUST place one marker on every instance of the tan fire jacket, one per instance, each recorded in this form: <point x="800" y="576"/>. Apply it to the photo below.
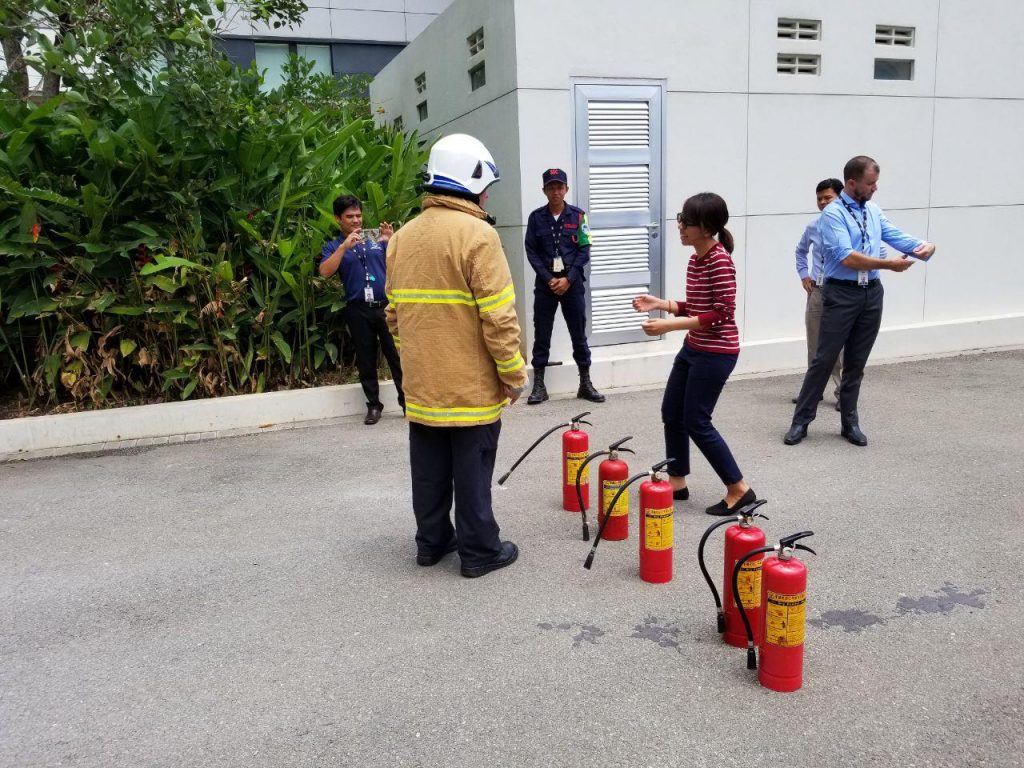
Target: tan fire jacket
<point x="452" y="313"/>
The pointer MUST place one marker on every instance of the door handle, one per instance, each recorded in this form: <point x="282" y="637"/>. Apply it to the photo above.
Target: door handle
<point x="652" y="229"/>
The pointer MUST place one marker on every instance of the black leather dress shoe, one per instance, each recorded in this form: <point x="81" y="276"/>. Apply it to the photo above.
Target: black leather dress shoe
<point x="721" y="509"/>
<point x="433" y="558"/>
<point x="796" y="433"/>
<point x="854" y="435"/>
<point x="681" y="494"/>
<point x="507" y="556"/>
<point x="372" y="414"/>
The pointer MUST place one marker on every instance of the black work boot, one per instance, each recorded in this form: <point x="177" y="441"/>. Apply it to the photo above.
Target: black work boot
<point x="586" y="390"/>
<point x="540" y="392"/>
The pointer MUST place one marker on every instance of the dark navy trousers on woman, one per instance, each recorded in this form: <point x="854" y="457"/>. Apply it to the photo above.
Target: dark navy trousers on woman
<point x="455" y="463"/>
<point x="696" y="381"/>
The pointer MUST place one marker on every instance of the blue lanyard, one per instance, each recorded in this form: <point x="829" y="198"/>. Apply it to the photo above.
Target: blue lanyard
<point x="862" y="224"/>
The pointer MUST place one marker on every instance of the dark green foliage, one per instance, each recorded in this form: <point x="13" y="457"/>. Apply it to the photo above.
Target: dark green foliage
<point x="159" y="232"/>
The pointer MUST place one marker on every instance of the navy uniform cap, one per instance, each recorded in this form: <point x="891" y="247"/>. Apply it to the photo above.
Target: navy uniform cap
<point x="555" y="174"/>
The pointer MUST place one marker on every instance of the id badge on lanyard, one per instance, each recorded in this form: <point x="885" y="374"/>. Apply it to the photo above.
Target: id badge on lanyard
<point x="367" y="289"/>
<point x="862" y="278"/>
<point x="368" y="293"/>
<point x="557" y="264"/>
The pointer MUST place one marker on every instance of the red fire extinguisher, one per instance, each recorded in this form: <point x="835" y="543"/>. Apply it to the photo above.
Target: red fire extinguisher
<point x="740" y="538"/>
<point x="655" y="525"/>
<point x="783" y="604"/>
<point x="575" y="446"/>
<point x="611" y="474"/>
<point x="574" y="449"/>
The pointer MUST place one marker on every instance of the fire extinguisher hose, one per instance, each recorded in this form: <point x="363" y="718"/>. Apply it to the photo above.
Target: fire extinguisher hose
<point x="751" y="654"/>
<point x="572" y="423"/>
<point x="704" y="569"/>
<point x="746" y="512"/>
<point x="652" y="472"/>
<point x="579" y="491"/>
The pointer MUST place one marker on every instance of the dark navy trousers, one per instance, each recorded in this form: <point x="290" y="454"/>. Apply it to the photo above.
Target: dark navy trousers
<point x="696" y="381"/>
<point x="574" y="310"/>
<point x="850" y="318"/>
<point x="455" y="463"/>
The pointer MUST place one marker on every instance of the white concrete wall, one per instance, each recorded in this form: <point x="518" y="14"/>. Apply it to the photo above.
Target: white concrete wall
<point x="947" y="142"/>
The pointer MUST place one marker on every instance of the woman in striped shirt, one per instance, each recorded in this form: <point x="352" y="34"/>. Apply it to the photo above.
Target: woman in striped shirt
<point x="709" y="352"/>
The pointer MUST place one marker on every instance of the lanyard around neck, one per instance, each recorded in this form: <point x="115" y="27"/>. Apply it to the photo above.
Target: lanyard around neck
<point x="862" y="223"/>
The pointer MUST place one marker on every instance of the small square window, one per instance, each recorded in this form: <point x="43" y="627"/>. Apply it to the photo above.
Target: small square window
<point x="421" y="82"/>
<point x="799" y="29"/>
<point x="886" y="34"/>
<point x="421" y="110"/>
<point x="894" y="69"/>
<point x="798" y="64"/>
<point x="476" y="42"/>
<point x="398" y="124"/>
<point x="477" y="77"/>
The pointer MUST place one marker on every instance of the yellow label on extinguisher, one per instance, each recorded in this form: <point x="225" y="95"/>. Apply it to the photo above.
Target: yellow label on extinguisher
<point x="658" y="528"/>
<point x="785" y="619"/>
<point x="573" y="460"/>
<point x="611" y="487"/>
<point x="749" y="583"/>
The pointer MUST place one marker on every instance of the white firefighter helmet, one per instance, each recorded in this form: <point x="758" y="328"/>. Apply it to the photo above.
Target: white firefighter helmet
<point x="459" y="163"/>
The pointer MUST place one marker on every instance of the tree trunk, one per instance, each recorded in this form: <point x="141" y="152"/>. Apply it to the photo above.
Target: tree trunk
<point x="17" y="73"/>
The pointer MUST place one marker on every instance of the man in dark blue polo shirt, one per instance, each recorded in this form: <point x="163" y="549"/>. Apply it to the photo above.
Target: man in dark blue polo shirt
<point x="360" y="263"/>
<point x="558" y="247"/>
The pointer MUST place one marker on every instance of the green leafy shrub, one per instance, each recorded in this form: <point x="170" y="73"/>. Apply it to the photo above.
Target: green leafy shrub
<point x="159" y="236"/>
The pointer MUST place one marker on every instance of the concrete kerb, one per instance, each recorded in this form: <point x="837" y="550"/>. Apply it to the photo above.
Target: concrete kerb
<point x="190" y="421"/>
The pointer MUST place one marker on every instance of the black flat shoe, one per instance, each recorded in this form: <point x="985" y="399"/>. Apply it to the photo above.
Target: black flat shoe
<point x="429" y="558"/>
<point x="507" y="556"/>
<point x="681" y="494"/>
<point x="796" y="433"/>
<point x="721" y="510"/>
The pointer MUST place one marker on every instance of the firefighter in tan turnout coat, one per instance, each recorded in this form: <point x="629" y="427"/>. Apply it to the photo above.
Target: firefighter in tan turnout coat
<point x="452" y="315"/>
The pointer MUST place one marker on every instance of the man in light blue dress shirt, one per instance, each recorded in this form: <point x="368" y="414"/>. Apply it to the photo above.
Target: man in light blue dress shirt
<point x="852" y="231"/>
<point x="810" y="266"/>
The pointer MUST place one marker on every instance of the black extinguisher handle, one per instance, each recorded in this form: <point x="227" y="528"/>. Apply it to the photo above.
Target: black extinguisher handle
<point x="574" y="419"/>
<point x="579" y="491"/>
<point x="538" y="441"/>
<point x="616" y="446"/>
<point x="659" y="466"/>
<point x="600" y="530"/>
<point x="704" y="568"/>
<point x="751" y="654"/>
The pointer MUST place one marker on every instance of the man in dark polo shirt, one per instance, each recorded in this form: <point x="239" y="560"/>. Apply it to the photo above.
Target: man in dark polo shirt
<point x="360" y="263"/>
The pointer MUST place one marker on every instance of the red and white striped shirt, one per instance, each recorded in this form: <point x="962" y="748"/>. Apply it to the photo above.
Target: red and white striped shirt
<point x="711" y="298"/>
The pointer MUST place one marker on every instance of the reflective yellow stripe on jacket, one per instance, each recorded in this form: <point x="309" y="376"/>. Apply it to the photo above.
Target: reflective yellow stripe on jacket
<point x="454" y="415"/>
<point x="505" y="366"/>
<point x="452" y="296"/>
<point x="489" y="303"/>
<point x="431" y="296"/>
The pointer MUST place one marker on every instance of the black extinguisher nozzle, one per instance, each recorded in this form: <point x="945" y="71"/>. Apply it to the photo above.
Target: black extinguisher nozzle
<point x="503" y="478"/>
<point x="589" y="561"/>
<point x="721" y="623"/>
<point x="751" y="658"/>
<point x="586" y="532"/>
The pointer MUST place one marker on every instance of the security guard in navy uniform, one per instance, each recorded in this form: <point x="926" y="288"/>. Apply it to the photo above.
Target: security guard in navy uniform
<point x="558" y="247"/>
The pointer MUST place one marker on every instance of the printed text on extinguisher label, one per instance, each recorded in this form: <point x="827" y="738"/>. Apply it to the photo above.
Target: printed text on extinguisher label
<point x="572" y="467"/>
<point x="785" y="619"/>
<point x="611" y="487"/>
<point x="658" y="528"/>
<point x="749" y="583"/>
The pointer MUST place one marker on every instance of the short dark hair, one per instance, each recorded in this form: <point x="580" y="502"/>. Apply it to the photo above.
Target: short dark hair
<point x="856" y="167"/>
<point x="709" y="212"/>
<point x="343" y="202"/>
<point x="834" y="184"/>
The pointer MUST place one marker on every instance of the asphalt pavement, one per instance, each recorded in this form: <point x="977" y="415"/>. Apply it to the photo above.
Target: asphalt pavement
<point x="255" y="601"/>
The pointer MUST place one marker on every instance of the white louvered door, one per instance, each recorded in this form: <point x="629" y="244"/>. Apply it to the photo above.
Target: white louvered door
<point x="619" y="184"/>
